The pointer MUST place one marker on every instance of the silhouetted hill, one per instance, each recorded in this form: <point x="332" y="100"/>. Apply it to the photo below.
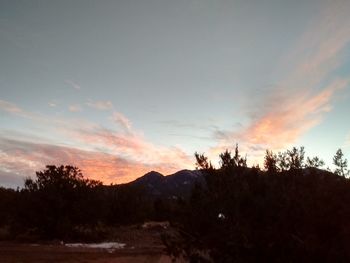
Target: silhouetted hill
<point x="180" y="184"/>
<point x="174" y="185"/>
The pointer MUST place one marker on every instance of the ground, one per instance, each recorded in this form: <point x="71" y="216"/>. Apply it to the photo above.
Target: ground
<point x="143" y="245"/>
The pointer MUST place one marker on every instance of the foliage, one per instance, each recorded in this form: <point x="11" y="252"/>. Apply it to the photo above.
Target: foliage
<point x="61" y="203"/>
<point x="299" y="215"/>
<point x="59" y="178"/>
<point x="283" y="161"/>
<point x="341" y="163"/>
<point x="202" y="161"/>
<point x="314" y="162"/>
<point x="296" y="158"/>
<point x="270" y="162"/>
<point x="291" y="212"/>
<point x="59" y="198"/>
<point x="236" y="161"/>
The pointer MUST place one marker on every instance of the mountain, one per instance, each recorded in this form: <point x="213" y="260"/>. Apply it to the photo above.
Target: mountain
<point x="171" y="186"/>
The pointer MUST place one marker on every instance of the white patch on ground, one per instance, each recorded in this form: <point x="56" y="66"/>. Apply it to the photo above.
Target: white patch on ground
<point x="109" y="246"/>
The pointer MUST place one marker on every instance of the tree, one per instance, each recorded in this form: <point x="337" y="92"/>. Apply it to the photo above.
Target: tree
<point x="341" y="163"/>
<point x="238" y="160"/>
<point x="270" y="162"/>
<point x="296" y="158"/>
<point x="283" y="161"/>
<point x="315" y="162"/>
<point x="59" y="177"/>
<point x="266" y="218"/>
<point x="226" y="160"/>
<point x="202" y="161"/>
<point x="60" y="198"/>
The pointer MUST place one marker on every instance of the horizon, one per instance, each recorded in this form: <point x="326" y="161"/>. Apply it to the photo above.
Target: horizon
<point x="122" y="88"/>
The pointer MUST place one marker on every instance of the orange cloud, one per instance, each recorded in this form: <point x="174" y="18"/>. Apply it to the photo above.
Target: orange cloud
<point x="104" y="154"/>
<point x="24" y="158"/>
<point x="133" y="146"/>
<point x="283" y="124"/>
<point x="291" y="119"/>
<point x="302" y="98"/>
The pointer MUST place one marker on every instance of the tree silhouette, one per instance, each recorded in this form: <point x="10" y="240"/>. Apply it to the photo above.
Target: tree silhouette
<point x="59" y="198"/>
<point x="283" y="161"/>
<point x="202" y="161"/>
<point x="267" y="218"/>
<point x="226" y="160"/>
<point x="270" y="162"/>
<point x="60" y="177"/>
<point x="314" y="162"/>
<point x="341" y="163"/>
<point x="296" y="158"/>
<point x="238" y="160"/>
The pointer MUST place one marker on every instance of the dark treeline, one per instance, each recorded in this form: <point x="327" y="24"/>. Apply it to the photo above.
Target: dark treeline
<point x="61" y="204"/>
<point x="290" y="211"/>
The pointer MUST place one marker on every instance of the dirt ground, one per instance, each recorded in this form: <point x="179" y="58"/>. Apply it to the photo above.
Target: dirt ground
<point x="142" y="246"/>
<point x="30" y="253"/>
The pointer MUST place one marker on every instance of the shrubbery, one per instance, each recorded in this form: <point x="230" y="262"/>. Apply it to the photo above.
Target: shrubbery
<point x="290" y="212"/>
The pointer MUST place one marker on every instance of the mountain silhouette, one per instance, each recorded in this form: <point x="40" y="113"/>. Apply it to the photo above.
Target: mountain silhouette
<point x="174" y="185"/>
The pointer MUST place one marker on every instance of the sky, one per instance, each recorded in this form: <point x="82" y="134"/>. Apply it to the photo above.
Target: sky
<point x="120" y="88"/>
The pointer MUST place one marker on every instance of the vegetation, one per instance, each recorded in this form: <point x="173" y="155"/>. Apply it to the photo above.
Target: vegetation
<point x="292" y="211"/>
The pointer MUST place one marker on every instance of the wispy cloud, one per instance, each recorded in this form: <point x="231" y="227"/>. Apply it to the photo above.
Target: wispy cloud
<point x="75" y="108"/>
<point x="10" y="107"/>
<point x="133" y="146"/>
<point x="52" y="104"/>
<point x="285" y="122"/>
<point x="100" y="105"/>
<point x="73" y="84"/>
<point x="301" y="98"/>
<point x="123" y="121"/>
<point x="39" y="118"/>
<point x="209" y="125"/>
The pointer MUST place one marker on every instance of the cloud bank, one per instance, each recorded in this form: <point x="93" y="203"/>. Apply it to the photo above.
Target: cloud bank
<point x="20" y="159"/>
<point x="112" y="156"/>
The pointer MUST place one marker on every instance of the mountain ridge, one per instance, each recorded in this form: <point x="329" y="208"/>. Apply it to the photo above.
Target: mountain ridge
<point x="177" y="184"/>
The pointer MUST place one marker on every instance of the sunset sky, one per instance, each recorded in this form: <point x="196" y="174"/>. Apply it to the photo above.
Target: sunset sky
<point x="119" y="88"/>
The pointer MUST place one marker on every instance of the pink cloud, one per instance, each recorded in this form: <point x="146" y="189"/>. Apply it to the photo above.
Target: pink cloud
<point x="131" y="151"/>
<point x="283" y="123"/>
<point x="301" y="99"/>
<point x="24" y="158"/>
<point x="134" y="147"/>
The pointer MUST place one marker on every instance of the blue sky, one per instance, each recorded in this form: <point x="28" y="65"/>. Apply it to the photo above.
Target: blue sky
<point x="119" y="88"/>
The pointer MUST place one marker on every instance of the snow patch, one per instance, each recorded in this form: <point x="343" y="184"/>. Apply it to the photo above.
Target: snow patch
<point x="109" y="246"/>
